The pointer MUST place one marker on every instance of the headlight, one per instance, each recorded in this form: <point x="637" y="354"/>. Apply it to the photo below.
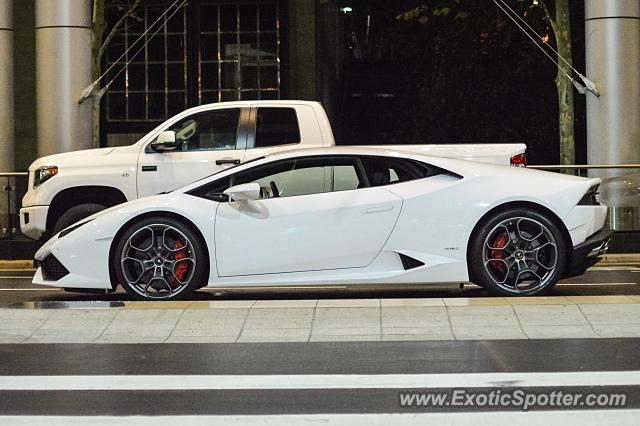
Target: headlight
<point x="43" y="174"/>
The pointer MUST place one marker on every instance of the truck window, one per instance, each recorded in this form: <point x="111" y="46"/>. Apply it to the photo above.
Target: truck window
<point x="208" y="130"/>
<point x="276" y="126"/>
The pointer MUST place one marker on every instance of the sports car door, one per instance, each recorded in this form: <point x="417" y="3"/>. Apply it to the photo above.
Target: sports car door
<point x="315" y="214"/>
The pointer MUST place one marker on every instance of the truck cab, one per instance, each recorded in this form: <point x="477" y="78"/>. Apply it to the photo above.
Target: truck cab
<point x="65" y="188"/>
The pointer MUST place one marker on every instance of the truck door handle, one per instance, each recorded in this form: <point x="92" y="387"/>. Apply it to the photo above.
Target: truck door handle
<point x="377" y="209"/>
<point x="233" y="161"/>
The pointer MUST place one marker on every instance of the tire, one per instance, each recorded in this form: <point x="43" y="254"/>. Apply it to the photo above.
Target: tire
<point x="518" y="252"/>
<point x="172" y="266"/>
<point x="75" y="214"/>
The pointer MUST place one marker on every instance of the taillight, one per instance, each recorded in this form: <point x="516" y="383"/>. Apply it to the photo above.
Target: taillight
<point x="519" y="160"/>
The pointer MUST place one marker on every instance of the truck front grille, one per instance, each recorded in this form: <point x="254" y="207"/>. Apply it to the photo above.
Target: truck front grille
<point x="52" y="269"/>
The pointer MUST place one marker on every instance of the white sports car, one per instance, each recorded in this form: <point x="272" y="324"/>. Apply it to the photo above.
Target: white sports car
<point x="339" y="216"/>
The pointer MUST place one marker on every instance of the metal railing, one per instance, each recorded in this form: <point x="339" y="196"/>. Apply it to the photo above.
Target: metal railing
<point x="14" y="186"/>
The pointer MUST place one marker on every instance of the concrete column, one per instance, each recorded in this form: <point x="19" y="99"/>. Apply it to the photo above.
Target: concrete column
<point x="302" y="50"/>
<point x="63" y="69"/>
<point x="6" y="86"/>
<point x="613" y="120"/>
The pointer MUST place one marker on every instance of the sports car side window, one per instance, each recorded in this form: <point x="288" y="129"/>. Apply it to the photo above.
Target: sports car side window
<point x="303" y="176"/>
<point x="387" y="170"/>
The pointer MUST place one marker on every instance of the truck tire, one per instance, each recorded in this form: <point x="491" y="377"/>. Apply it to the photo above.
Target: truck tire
<point x="75" y="214"/>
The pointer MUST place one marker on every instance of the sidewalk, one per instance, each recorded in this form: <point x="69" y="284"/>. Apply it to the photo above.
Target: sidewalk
<point x="325" y="320"/>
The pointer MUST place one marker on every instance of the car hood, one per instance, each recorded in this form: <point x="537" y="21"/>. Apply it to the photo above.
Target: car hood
<point x="73" y="158"/>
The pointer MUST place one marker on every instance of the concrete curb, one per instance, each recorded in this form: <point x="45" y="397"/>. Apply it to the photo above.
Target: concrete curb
<point x="16" y="264"/>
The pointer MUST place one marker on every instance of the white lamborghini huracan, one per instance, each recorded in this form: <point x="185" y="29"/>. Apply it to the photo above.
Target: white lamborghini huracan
<point x="339" y="216"/>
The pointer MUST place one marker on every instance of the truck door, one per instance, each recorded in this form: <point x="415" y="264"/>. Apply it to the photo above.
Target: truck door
<point x="207" y="142"/>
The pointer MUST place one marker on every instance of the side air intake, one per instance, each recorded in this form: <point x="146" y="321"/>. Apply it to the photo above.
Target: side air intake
<point x="409" y="262"/>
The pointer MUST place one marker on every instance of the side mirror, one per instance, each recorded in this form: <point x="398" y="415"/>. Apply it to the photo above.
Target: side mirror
<point x="244" y="192"/>
<point x="166" y="141"/>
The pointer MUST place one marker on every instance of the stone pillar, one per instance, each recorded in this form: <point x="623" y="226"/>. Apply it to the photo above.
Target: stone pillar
<point x="6" y="87"/>
<point x="63" y="69"/>
<point x="613" y="120"/>
<point x="302" y="50"/>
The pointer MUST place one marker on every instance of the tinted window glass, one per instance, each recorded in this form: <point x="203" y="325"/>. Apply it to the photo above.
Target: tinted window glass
<point x="385" y="170"/>
<point x="276" y="126"/>
<point x="209" y="130"/>
<point x="303" y="176"/>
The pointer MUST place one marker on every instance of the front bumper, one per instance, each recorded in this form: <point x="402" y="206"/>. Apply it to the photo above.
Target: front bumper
<point x="33" y="221"/>
<point x="588" y="253"/>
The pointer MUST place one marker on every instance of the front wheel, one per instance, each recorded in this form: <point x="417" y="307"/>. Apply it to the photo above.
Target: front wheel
<point x="160" y="258"/>
<point x="516" y="253"/>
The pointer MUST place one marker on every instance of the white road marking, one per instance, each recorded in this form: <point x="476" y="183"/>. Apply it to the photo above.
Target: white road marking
<point x="503" y="418"/>
<point x="318" y="381"/>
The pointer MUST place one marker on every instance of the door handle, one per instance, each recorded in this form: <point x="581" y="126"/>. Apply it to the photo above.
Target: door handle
<point x="377" y="209"/>
<point x="223" y="161"/>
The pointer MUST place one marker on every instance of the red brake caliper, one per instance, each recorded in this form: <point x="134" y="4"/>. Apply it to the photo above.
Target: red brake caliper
<point x="181" y="268"/>
<point x="499" y="243"/>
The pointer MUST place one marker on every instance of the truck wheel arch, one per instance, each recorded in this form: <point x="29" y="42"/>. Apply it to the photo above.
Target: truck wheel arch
<point x="70" y="197"/>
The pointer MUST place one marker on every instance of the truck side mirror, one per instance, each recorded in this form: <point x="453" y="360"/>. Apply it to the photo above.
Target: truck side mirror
<point x="166" y="141"/>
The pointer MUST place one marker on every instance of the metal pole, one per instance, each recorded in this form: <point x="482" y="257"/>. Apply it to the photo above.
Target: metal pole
<point x="63" y="69"/>
<point x="613" y="120"/>
<point x="6" y="86"/>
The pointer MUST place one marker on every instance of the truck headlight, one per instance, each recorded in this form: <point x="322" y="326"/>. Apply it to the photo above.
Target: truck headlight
<point x="43" y="174"/>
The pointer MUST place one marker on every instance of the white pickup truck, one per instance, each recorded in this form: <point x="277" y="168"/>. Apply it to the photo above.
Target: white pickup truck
<point x="198" y="142"/>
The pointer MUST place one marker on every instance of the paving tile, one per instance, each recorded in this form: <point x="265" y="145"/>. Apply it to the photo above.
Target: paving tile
<point x="612" y="314"/>
<point x="416" y="337"/>
<point x="617" y="330"/>
<point x="348" y="303"/>
<point x="475" y="301"/>
<point x="539" y="300"/>
<point x="487" y="333"/>
<point x="414" y="316"/>
<point x="279" y="318"/>
<point x="274" y="335"/>
<point x="24" y="314"/>
<point x="260" y="304"/>
<point x="212" y="320"/>
<point x="14" y="336"/>
<point x="434" y="301"/>
<point x="229" y="304"/>
<point x="230" y="332"/>
<point x="201" y="339"/>
<point x="585" y="300"/>
<point x="151" y="323"/>
<point x="559" y="331"/>
<point x="130" y="339"/>
<point x="78" y="321"/>
<point x="345" y="331"/>
<point x="417" y="330"/>
<point x="550" y="315"/>
<point x="346" y="317"/>
<point x="164" y="304"/>
<point x="496" y="316"/>
<point x="76" y="336"/>
<point x="346" y="338"/>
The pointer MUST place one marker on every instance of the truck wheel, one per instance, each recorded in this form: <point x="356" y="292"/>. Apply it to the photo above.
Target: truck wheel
<point x="75" y="214"/>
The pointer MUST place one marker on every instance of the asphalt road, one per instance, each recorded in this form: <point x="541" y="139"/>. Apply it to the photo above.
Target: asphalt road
<point x="16" y="287"/>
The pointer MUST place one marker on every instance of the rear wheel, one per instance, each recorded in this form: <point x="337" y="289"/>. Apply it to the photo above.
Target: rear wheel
<point x="517" y="252"/>
<point x="160" y="258"/>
